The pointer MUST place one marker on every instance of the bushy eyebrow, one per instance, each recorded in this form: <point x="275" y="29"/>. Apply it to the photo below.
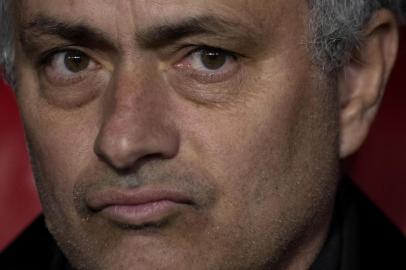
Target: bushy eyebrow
<point x="150" y="37"/>
<point x="163" y="34"/>
<point x="78" y="33"/>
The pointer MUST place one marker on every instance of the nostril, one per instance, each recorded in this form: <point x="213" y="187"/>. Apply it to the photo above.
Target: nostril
<point x="123" y="149"/>
<point x="120" y="154"/>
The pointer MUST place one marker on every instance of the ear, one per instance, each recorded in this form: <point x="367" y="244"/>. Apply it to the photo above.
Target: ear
<point x="362" y="81"/>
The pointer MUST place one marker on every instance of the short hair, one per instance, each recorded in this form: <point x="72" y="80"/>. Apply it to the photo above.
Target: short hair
<point x="336" y="27"/>
<point x="7" y="41"/>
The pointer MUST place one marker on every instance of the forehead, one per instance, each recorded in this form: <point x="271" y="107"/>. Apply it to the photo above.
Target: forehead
<point x="142" y="13"/>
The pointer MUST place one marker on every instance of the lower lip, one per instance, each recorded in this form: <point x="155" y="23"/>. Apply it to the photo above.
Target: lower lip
<point x="141" y="214"/>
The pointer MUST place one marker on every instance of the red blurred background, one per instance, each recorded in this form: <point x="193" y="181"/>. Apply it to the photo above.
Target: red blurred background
<point x="379" y="168"/>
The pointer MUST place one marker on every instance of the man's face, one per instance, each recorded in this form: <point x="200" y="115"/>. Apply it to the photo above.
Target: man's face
<point x="177" y="134"/>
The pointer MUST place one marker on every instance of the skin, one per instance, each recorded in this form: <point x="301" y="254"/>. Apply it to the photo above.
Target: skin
<point x="256" y="145"/>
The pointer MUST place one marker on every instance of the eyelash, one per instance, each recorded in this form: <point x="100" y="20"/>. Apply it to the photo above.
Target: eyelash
<point x="46" y="57"/>
<point x="200" y="47"/>
<point x="209" y="76"/>
<point x="186" y="64"/>
<point x="68" y="78"/>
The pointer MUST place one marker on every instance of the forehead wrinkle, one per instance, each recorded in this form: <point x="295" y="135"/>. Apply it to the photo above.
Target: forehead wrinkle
<point x="226" y="22"/>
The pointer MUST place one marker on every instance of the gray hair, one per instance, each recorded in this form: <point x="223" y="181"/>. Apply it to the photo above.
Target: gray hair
<point x="7" y="40"/>
<point x="336" y="26"/>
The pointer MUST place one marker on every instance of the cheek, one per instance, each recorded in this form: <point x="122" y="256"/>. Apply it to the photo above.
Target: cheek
<point x="266" y="156"/>
<point x="59" y="140"/>
<point x="61" y="147"/>
<point x="252" y="144"/>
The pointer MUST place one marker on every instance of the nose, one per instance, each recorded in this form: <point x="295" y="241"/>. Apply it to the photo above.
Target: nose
<point x="136" y="124"/>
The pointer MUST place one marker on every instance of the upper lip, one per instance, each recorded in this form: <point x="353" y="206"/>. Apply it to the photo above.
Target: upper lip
<point x="104" y="198"/>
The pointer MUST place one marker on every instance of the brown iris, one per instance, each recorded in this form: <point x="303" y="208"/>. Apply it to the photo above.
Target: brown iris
<point x="76" y="61"/>
<point x="213" y="59"/>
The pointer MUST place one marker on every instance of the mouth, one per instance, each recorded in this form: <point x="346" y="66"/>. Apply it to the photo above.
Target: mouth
<point x="137" y="208"/>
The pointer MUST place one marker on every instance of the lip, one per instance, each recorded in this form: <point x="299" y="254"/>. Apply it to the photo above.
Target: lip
<point x="138" y="206"/>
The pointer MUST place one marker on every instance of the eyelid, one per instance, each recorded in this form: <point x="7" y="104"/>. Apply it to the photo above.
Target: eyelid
<point x="209" y="76"/>
<point x="193" y="48"/>
<point x="47" y="56"/>
<point x="59" y="76"/>
<point x="68" y="86"/>
<point x="56" y="58"/>
<point x="201" y="47"/>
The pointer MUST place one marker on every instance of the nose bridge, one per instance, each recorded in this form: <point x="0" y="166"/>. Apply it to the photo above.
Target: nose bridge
<point x="134" y="99"/>
<point x="135" y="123"/>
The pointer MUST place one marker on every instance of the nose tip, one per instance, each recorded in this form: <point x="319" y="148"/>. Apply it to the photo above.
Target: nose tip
<point x="122" y="148"/>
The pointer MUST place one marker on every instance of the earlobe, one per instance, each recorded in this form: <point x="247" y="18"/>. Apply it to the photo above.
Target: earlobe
<point x="362" y="81"/>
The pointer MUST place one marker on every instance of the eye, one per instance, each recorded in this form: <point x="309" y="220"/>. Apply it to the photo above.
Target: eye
<point x="68" y="67"/>
<point x="209" y="65"/>
<point x="209" y="59"/>
<point x="75" y="61"/>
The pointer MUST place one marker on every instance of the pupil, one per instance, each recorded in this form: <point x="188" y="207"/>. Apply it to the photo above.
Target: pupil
<point x="213" y="59"/>
<point x="76" y="61"/>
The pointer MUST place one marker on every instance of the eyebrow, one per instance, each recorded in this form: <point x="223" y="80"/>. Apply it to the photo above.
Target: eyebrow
<point x="149" y="38"/>
<point x="160" y="35"/>
<point x="79" y="33"/>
